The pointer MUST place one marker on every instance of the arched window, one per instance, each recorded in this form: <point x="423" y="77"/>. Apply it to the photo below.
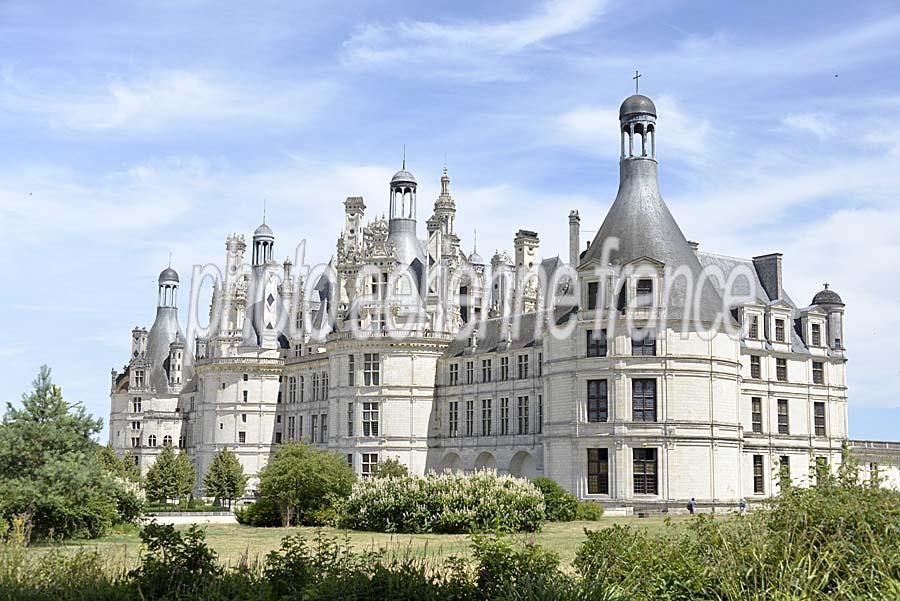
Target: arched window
<point x="167" y="440"/>
<point x="151" y="440"/>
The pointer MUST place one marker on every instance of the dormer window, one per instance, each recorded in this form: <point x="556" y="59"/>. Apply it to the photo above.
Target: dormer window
<point x="753" y="327"/>
<point x="592" y="289"/>
<point x="644" y="293"/>
<point x="816" y="334"/>
<point x="779" y="330"/>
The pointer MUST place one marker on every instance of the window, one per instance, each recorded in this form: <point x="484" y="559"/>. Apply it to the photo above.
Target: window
<point x="182" y="442"/>
<point x="470" y="372"/>
<point x="324" y="381"/>
<point x="784" y="466"/>
<point x="753" y="327"/>
<point x="323" y="432"/>
<point x="756" y="414"/>
<point x="135" y="425"/>
<point x="755" y="367"/>
<point x="759" y="482"/>
<point x="597" y="401"/>
<point x="371" y="369"/>
<point x="151" y="440"/>
<point x="314" y="428"/>
<point x="350" y="459"/>
<point x="244" y="418"/>
<point x="370" y="419"/>
<point x="278" y="419"/>
<point x="522" y="364"/>
<point x="818" y="372"/>
<point x="292" y="389"/>
<point x="351" y="371"/>
<point x="540" y="416"/>
<point x="315" y="387"/>
<point x="486" y="421"/>
<point x="246" y="377"/>
<point x="592" y="289"/>
<point x="245" y="396"/>
<point x="504" y="369"/>
<point x="644" y="296"/>
<point x="453" y="419"/>
<point x="135" y="442"/>
<point x="781" y="370"/>
<point x="167" y="441"/>
<point x="779" y="330"/>
<point x="242" y="437"/>
<point x="598" y="471"/>
<point x="139" y="378"/>
<point x="136" y="405"/>
<point x="539" y="368"/>
<point x="643" y="400"/>
<point x="819" y="418"/>
<point x="349" y="419"/>
<point x="783" y="421"/>
<point x="816" y="334"/>
<point x="596" y="343"/>
<point x="485" y="370"/>
<point x="504" y="416"/>
<point x="454" y="374"/>
<point x="523" y="415"/>
<point x="643" y="343"/>
<point x="302" y="382"/>
<point x="645" y="466"/>
<point x="369" y="461"/>
<point x="470" y="418"/>
<point x="300" y="426"/>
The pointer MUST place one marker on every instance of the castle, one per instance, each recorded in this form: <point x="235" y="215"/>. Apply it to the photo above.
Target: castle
<point x="640" y="371"/>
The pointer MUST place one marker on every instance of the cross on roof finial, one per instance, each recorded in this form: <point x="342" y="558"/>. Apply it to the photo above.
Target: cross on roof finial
<point x="826" y="285"/>
<point x="636" y="78"/>
<point x="404" y="156"/>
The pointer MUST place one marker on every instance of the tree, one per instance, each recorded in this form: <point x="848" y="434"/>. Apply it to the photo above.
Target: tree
<point x="301" y="479"/>
<point x="225" y="479"/>
<point x="390" y="468"/>
<point x="49" y="468"/>
<point x="121" y="467"/>
<point x="170" y="477"/>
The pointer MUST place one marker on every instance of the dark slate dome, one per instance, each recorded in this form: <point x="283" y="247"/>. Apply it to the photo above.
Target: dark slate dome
<point x="827" y="296"/>
<point x="168" y="275"/>
<point x="637" y="104"/>
<point x="263" y="231"/>
<point x="403" y="176"/>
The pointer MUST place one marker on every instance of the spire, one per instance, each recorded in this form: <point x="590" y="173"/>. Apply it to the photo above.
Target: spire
<point x="445" y="182"/>
<point x="404" y="156"/>
<point x="264" y="210"/>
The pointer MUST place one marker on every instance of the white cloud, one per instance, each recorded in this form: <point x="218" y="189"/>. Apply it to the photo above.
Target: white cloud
<point x="165" y="100"/>
<point x="596" y="130"/>
<point x="472" y="49"/>
<point x="819" y="124"/>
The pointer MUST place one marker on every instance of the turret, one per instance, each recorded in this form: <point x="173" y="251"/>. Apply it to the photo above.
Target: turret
<point x="830" y="302"/>
<point x="574" y="237"/>
<point x="176" y="360"/>
<point x="138" y="344"/>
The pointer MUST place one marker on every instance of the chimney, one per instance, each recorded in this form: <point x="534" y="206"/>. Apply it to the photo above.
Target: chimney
<point x="768" y="268"/>
<point x="695" y="246"/>
<point x="574" y="237"/>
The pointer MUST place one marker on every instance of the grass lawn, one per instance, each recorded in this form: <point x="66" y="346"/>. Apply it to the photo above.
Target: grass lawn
<point x="233" y="542"/>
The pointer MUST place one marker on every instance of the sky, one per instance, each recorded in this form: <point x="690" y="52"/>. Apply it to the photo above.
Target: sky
<point x="132" y="130"/>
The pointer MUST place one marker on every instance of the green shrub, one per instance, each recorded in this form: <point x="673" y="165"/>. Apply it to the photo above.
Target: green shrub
<point x="263" y="513"/>
<point x="445" y="503"/>
<point x="559" y="504"/>
<point x="838" y="539"/>
<point x="589" y="511"/>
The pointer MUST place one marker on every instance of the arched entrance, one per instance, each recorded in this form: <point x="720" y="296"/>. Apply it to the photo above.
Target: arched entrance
<point x="485" y="461"/>
<point x="523" y="465"/>
<point x="452" y="462"/>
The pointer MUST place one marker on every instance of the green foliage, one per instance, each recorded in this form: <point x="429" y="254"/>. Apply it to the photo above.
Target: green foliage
<point x="122" y="467"/>
<point x="175" y="565"/>
<point x="301" y="479"/>
<point x="170" y="477"/>
<point x="444" y="503"/>
<point x="49" y="467"/>
<point x="225" y="479"/>
<point x="839" y="539"/>
<point x="559" y="504"/>
<point x="390" y="468"/>
<point x="263" y="513"/>
<point x="588" y="511"/>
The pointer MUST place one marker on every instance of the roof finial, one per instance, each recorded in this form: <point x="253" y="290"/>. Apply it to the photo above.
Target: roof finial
<point x="475" y="241"/>
<point x="170" y="262"/>
<point x="264" y="210"/>
<point x="636" y="78"/>
<point x="404" y="156"/>
<point x="826" y="285"/>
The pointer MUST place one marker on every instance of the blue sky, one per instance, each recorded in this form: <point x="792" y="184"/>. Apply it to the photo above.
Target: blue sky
<point x="134" y="129"/>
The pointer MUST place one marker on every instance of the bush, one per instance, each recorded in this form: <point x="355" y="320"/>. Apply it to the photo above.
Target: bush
<point x="589" y="511"/>
<point x="559" y="504"/>
<point x="301" y="480"/>
<point x="838" y="539"/>
<point x="446" y="503"/>
<point x="263" y="513"/>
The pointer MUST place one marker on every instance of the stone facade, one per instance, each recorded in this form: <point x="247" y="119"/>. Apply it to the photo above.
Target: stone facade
<point x="603" y="372"/>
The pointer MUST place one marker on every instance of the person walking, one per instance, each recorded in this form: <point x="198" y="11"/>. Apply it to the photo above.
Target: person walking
<point x="742" y="506"/>
<point x="691" y="505"/>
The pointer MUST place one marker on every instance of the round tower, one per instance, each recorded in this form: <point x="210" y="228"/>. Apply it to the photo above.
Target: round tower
<point x="637" y="125"/>
<point x="263" y="245"/>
